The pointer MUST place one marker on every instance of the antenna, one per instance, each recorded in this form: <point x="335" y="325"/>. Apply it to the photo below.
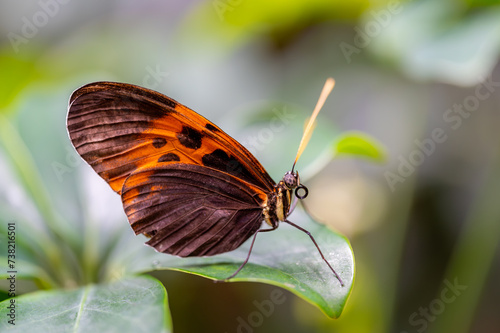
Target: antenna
<point x="327" y="88"/>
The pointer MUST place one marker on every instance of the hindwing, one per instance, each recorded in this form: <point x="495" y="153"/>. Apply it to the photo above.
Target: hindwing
<point x="190" y="210"/>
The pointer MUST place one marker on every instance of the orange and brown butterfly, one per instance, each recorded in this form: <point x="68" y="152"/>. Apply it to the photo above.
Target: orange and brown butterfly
<point x="184" y="183"/>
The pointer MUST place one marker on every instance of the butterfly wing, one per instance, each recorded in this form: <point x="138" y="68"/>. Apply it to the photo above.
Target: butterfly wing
<point x="190" y="210"/>
<point x="119" y="128"/>
<point x="184" y="182"/>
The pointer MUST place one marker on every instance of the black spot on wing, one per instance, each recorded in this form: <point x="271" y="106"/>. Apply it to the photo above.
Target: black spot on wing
<point x="221" y="161"/>
<point x="189" y="137"/>
<point x="218" y="159"/>
<point x="159" y="142"/>
<point x="169" y="157"/>
<point x="211" y="127"/>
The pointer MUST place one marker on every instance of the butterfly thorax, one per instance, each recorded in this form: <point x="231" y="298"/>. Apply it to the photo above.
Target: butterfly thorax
<point x="280" y="199"/>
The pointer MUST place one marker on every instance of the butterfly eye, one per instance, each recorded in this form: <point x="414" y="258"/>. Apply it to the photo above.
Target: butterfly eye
<point x="290" y="180"/>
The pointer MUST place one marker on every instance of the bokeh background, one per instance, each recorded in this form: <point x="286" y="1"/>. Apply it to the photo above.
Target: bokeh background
<point x="422" y="77"/>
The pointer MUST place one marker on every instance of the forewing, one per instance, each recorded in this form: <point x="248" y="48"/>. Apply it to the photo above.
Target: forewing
<point x="120" y="128"/>
<point x="190" y="210"/>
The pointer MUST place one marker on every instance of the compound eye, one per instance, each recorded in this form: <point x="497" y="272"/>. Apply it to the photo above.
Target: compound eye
<point x="290" y="180"/>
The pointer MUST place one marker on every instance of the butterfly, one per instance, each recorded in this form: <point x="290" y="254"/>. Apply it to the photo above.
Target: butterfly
<point x="184" y="183"/>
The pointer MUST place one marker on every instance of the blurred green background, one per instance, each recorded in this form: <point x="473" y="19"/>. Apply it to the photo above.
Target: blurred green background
<point x="422" y="77"/>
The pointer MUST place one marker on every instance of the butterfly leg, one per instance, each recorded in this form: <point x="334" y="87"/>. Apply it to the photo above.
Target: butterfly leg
<point x="321" y="253"/>
<point x="249" y="252"/>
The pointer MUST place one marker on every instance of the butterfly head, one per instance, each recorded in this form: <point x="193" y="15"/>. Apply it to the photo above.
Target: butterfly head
<point x="291" y="180"/>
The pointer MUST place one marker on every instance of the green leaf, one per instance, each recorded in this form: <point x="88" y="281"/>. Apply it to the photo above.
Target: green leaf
<point x="26" y="270"/>
<point x="285" y="258"/>
<point x="234" y="22"/>
<point x="453" y="46"/>
<point x="359" y="144"/>
<point x="16" y="75"/>
<point x="134" y="304"/>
